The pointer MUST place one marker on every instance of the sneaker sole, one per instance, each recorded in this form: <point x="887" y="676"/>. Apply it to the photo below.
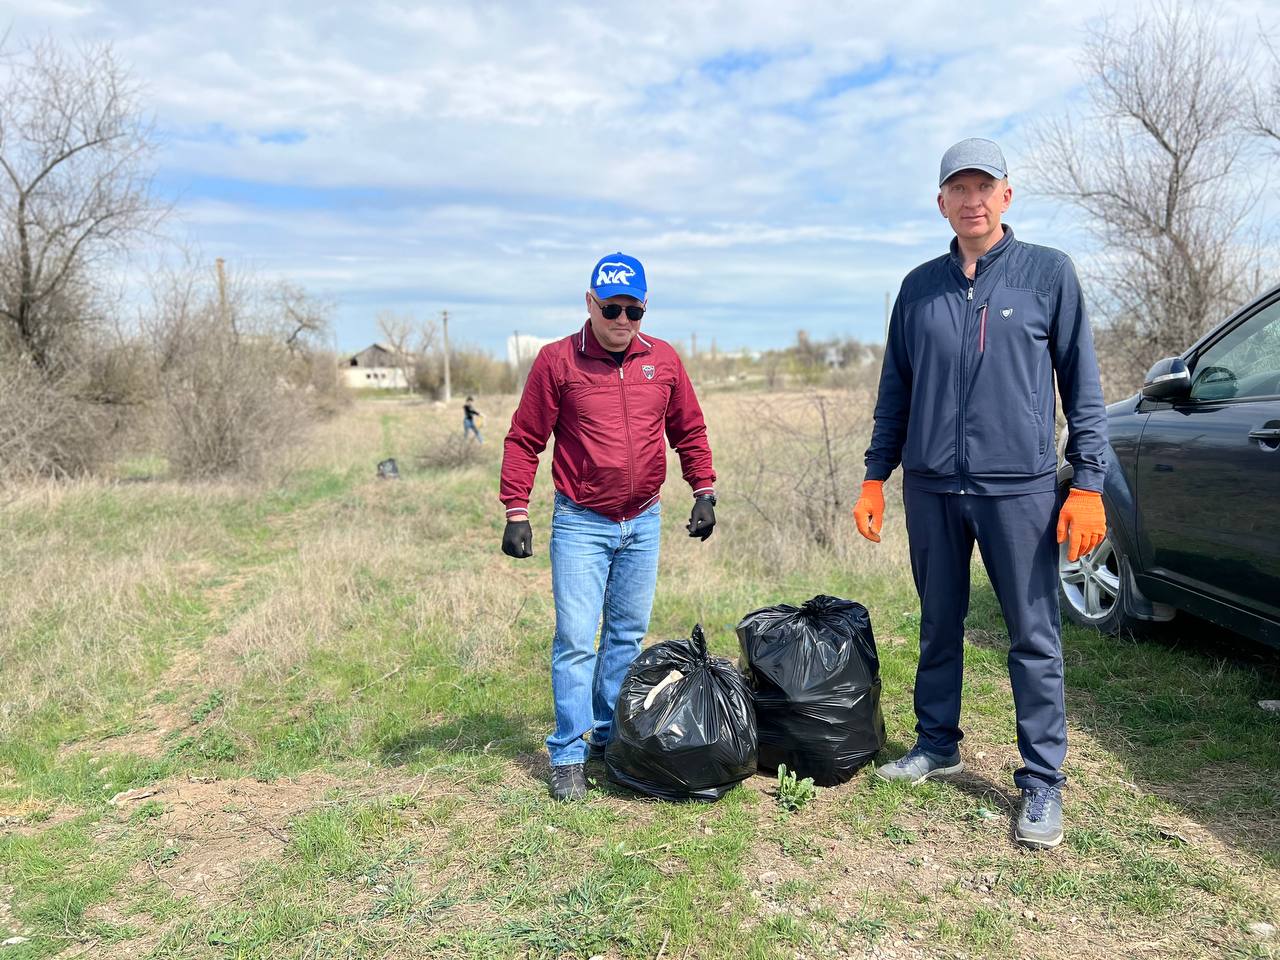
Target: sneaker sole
<point x="1038" y="843"/>
<point x="939" y="772"/>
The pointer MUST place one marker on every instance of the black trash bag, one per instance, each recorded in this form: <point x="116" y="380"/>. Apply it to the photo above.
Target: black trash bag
<point x="815" y="679"/>
<point x="388" y="469"/>
<point x="684" y="728"/>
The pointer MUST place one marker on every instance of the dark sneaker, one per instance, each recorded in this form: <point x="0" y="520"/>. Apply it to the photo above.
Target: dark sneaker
<point x="917" y="766"/>
<point x="595" y="749"/>
<point x="568" y="782"/>
<point x="1040" y="818"/>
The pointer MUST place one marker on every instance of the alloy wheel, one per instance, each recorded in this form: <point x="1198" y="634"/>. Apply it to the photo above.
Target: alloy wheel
<point x="1091" y="584"/>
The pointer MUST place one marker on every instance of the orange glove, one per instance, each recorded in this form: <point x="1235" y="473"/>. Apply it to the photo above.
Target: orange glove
<point x="1084" y="520"/>
<point x="868" y="512"/>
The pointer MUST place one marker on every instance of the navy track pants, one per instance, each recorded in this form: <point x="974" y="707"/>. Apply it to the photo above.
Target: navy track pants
<point x="1016" y="536"/>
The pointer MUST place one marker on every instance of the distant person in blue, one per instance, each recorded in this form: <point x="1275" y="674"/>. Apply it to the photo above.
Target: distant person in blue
<point x="469" y="414"/>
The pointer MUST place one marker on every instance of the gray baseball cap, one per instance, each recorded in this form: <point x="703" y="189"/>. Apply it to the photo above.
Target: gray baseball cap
<point x="973" y="154"/>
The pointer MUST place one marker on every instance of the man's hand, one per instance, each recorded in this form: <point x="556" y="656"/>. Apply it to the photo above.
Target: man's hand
<point x="1082" y="519"/>
<point x="702" y="522"/>
<point x="517" y="539"/>
<point x="868" y="512"/>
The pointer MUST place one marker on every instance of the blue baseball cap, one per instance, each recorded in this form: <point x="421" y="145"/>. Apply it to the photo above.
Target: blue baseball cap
<point x="618" y="275"/>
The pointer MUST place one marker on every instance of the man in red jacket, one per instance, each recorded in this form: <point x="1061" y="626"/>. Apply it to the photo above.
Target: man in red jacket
<point x="608" y="395"/>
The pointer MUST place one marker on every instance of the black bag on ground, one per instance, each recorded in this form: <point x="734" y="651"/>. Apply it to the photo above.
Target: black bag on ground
<point x="815" y="679"/>
<point x="684" y="727"/>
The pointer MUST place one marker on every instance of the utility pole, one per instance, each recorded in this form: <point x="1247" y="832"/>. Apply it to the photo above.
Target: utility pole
<point x="220" y="265"/>
<point x="519" y="364"/>
<point x="693" y="344"/>
<point x="448" y="386"/>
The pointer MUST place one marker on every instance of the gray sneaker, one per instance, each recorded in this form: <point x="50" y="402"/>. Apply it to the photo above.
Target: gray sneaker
<point x="1040" y="819"/>
<point x="568" y="782"/>
<point x="917" y="766"/>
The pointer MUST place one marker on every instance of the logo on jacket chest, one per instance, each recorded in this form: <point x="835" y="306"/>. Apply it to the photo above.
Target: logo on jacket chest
<point x="648" y="371"/>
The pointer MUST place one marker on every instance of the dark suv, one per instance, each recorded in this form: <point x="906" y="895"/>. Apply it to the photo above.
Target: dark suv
<point x="1193" y="490"/>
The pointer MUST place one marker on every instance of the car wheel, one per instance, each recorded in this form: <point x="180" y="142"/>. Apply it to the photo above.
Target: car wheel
<point x="1091" y="589"/>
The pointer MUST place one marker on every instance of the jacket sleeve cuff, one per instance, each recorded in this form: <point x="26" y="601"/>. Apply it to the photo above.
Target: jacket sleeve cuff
<point x="1088" y="479"/>
<point x="515" y="507"/>
<point x="704" y="489"/>
<point x="878" y="471"/>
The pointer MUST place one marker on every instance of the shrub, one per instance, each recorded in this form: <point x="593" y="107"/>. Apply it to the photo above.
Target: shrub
<point x="48" y="428"/>
<point x="453" y="452"/>
<point x="226" y="409"/>
<point x="227" y="405"/>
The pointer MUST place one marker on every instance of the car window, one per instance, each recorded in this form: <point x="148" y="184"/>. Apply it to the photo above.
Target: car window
<point x="1244" y="363"/>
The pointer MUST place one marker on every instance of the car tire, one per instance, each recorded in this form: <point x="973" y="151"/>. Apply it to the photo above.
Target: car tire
<point x="1092" y="589"/>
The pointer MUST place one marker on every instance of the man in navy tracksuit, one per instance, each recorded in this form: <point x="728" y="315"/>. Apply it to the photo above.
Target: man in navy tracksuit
<point x="966" y="405"/>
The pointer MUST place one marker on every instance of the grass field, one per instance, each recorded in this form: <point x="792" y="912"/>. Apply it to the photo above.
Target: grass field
<point x="318" y="707"/>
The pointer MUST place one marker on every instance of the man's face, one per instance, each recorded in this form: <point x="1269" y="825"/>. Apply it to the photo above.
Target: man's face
<point x="613" y="334"/>
<point x="973" y="202"/>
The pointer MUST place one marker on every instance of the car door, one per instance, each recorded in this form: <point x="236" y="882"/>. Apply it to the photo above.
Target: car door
<point x="1209" y="470"/>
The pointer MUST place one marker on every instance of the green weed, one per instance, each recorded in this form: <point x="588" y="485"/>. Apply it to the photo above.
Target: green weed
<point x="794" y="794"/>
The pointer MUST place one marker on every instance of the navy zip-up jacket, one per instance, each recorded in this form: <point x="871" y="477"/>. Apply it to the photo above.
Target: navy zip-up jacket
<point x="966" y="400"/>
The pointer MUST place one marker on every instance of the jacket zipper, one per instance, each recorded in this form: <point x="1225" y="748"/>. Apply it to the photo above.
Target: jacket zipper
<point x="982" y="329"/>
<point x="626" y="426"/>
<point x="964" y="338"/>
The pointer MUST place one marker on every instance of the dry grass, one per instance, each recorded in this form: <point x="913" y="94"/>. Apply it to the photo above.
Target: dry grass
<point x="79" y="583"/>
<point x="374" y="673"/>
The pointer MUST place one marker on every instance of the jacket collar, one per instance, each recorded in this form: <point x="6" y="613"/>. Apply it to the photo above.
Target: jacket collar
<point x="988" y="259"/>
<point x="587" y="343"/>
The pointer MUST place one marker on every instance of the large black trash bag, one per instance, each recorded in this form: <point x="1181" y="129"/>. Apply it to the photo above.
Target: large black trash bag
<point x="684" y="728"/>
<point x="815" y="678"/>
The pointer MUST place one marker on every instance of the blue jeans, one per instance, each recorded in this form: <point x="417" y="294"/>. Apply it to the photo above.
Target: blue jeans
<point x="603" y="575"/>
<point x="469" y="427"/>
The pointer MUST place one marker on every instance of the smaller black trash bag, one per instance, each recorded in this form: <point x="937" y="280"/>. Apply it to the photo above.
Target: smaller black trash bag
<point x="684" y="728"/>
<point x="815" y="678"/>
<point x="388" y="469"/>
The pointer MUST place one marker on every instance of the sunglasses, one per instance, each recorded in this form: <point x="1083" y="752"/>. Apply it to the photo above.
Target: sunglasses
<point x="611" y="311"/>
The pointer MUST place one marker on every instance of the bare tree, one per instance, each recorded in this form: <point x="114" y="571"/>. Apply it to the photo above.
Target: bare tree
<point x="303" y="318"/>
<point x="1155" y="165"/>
<point x="1264" y="103"/>
<point x="398" y="333"/>
<point x="427" y="334"/>
<point x="75" y="169"/>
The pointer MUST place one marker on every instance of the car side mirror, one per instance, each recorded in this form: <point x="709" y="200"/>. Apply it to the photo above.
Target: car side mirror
<point x="1168" y="379"/>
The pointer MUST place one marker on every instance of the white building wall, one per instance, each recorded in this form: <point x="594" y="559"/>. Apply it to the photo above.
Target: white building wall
<point x="375" y="378"/>
<point x="522" y="348"/>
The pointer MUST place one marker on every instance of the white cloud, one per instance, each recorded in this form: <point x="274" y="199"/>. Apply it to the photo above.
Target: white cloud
<point x="773" y="163"/>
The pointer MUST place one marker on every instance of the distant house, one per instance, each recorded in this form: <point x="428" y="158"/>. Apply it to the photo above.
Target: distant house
<point x="847" y="353"/>
<point x="376" y="367"/>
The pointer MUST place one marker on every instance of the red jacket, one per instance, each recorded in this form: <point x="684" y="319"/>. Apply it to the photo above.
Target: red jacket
<point x="608" y="422"/>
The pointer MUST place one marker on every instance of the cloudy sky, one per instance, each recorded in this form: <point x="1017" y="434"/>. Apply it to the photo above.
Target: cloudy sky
<point x="773" y="164"/>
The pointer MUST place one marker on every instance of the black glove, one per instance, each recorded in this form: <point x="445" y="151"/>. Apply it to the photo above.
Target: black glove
<point x="517" y="539"/>
<point x="702" y="522"/>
